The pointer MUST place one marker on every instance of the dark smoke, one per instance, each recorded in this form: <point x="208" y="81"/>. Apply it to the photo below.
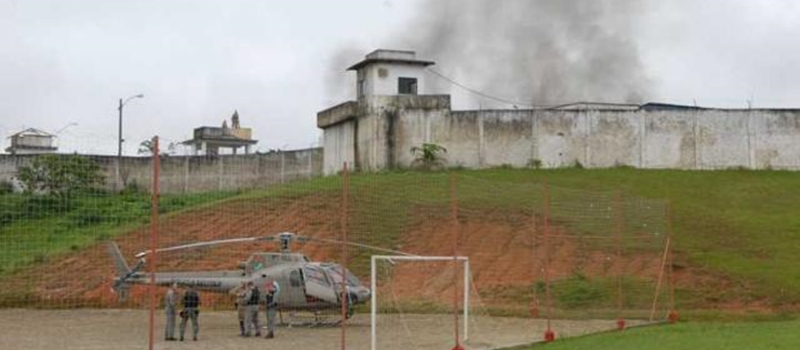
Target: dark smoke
<point x="339" y="83"/>
<point x="541" y="52"/>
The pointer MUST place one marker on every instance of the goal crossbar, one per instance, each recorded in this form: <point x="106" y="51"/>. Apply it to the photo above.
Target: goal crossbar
<point x="390" y="258"/>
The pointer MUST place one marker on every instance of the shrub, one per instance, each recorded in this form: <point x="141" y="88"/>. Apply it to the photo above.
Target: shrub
<point x="535" y="163"/>
<point x="60" y="176"/>
<point x="580" y="292"/>
<point x="428" y="156"/>
<point x="6" y="187"/>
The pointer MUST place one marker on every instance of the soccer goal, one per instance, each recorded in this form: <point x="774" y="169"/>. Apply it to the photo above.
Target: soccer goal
<point x="451" y="276"/>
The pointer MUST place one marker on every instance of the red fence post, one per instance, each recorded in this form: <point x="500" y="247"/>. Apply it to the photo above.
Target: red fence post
<point x="154" y="239"/>
<point x="619" y="224"/>
<point x="344" y="298"/>
<point x="549" y="335"/>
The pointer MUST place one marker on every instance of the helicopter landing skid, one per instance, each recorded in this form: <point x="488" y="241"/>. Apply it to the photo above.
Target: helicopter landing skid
<point x="315" y="319"/>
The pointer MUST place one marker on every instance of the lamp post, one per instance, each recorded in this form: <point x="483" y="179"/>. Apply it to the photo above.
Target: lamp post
<point x="120" y="140"/>
<point x="65" y="127"/>
<point x="58" y="133"/>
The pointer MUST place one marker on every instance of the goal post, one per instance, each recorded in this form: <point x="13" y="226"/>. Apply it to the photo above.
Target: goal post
<point x="391" y="258"/>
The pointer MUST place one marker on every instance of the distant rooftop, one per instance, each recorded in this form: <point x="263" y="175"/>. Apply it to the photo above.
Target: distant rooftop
<point x="32" y="141"/>
<point x="649" y="106"/>
<point x="32" y="132"/>
<point x="390" y="56"/>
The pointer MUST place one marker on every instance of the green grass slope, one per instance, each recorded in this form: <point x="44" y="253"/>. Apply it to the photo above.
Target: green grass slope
<point x="743" y="225"/>
<point x="35" y="228"/>
<point x="690" y="336"/>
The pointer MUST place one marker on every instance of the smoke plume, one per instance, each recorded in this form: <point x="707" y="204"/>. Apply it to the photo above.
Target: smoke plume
<point x="541" y="52"/>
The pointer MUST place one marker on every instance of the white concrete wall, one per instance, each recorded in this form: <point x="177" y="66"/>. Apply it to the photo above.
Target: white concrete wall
<point x="702" y="139"/>
<point x="374" y="85"/>
<point x="670" y="140"/>
<point x="775" y="140"/>
<point x="412" y="129"/>
<point x="660" y="139"/>
<point x="198" y="173"/>
<point x="338" y="143"/>
<point x="34" y="141"/>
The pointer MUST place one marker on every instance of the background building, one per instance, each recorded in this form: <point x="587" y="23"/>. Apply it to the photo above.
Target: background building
<point x="32" y="141"/>
<point x="208" y="139"/>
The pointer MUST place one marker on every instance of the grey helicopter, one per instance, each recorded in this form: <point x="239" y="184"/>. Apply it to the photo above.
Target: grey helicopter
<point x="305" y="285"/>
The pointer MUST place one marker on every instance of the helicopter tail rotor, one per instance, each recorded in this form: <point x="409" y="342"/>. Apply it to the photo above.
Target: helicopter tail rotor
<point x="119" y="262"/>
<point x="124" y="273"/>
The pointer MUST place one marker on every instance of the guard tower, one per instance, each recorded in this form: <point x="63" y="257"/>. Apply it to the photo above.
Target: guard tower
<point x="390" y="72"/>
<point x="209" y="139"/>
<point x="394" y="112"/>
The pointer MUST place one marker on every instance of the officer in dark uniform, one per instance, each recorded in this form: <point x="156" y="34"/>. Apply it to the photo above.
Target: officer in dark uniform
<point x="191" y="302"/>
<point x="253" y="297"/>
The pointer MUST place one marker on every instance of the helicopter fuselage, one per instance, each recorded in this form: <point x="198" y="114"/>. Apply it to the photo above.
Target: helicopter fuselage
<point x="305" y="285"/>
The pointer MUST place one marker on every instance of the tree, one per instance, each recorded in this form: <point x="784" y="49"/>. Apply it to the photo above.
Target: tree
<point x="146" y="147"/>
<point x="428" y="156"/>
<point x="60" y="176"/>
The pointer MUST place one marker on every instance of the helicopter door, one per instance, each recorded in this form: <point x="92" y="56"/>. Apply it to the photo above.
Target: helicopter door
<point x="318" y="286"/>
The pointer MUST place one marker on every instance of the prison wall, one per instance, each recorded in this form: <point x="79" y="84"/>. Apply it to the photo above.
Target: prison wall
<point x="378" y="133"/>
<point x="186" y="174"/>
<point x="673" y="139"/>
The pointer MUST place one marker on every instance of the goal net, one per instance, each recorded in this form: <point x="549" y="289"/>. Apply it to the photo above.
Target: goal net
<point x="419" y="301"/>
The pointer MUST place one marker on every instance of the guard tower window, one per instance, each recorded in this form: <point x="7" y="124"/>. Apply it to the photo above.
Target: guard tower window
<point x="360" y="92"/>
<point x="407" y="86"/>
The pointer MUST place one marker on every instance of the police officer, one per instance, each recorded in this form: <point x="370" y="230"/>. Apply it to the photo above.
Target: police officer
<point x="253" y="297"/>
<point x="170" y="301"/>
<point x="241" y="306"/>
<point x="191" y="302"/>
<point x="273" y="290"/>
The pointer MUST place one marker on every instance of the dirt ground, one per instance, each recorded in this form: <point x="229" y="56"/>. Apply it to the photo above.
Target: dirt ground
<point x="127" y="329"/>
<point x="496" y="245"/>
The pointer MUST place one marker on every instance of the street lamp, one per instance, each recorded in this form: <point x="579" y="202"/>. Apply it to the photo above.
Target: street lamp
<point x="119" y="139"/>
<point x="65" y="127"/>
<point x="58" y="133"/>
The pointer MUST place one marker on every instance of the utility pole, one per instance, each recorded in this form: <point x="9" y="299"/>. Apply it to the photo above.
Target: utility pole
<point x="118" y="178"/>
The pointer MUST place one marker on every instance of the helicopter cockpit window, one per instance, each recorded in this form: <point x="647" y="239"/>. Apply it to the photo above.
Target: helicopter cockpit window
<point x="295" y="279"/>
<point x="316" y="274"/>
<point x="335" y="271"/>
<point x="257" y="263"/>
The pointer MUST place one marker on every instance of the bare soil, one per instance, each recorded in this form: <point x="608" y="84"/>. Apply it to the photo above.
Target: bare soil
<point x="506" y="252"/>
<point x="89" y="329"/>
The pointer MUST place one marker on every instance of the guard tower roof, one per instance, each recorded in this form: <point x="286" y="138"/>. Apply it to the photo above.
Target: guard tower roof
<point x="391" y="56"/>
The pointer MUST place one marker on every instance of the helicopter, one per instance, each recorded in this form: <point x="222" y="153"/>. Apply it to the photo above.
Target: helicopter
<point x="305" y="285"/>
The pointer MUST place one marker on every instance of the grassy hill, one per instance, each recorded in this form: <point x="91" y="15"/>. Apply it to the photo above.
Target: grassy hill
<point x="741" y="226"/>
<point x="689" y="336"/>
<point x="36" y="228"/>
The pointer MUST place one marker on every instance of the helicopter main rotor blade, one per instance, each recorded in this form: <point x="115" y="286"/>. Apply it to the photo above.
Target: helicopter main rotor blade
<point x="287" y="236"/>
<point x="360" y="245"/>
<point x="206" y="244"/>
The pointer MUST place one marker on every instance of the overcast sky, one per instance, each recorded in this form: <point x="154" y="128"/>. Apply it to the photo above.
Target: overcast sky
<point x="197" y="61"/>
